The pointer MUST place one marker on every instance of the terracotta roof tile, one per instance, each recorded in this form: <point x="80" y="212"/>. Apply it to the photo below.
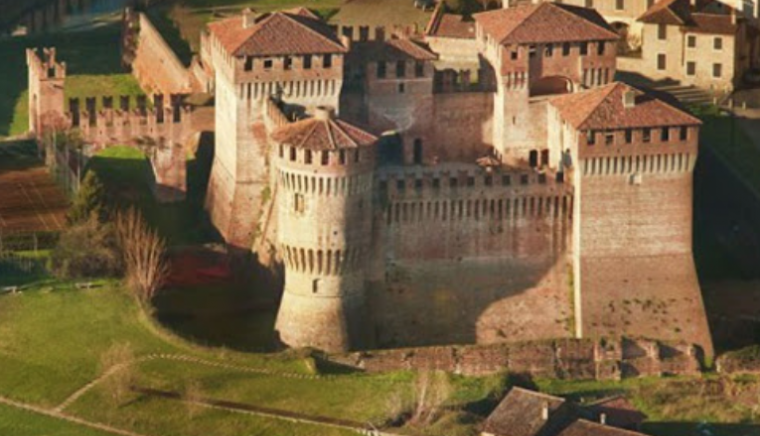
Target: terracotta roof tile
<point x="278" y="33"/>
<point x="452" y="26"/>
<point x="545" y="22"/>
<point x="521" y="413"/>
<point x="588" y="428"/>
<point x="715" y="24"/>
<point x="323" y="134"/>
<point x="673" y="12"/>
<point x="391" y="50"/>
<point x="602" y="108"/>
<point x="705" y="17"/>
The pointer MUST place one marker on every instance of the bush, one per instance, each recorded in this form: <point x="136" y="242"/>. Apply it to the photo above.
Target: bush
<point x="85" y="250"/>
<point x="89" y="200"/>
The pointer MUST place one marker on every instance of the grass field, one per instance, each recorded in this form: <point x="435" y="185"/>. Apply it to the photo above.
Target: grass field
<point x="93" y="65"/>
<point x="17" y="422"/>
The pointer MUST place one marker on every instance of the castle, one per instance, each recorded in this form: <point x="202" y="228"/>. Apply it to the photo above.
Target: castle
<point x="507" y="189"/>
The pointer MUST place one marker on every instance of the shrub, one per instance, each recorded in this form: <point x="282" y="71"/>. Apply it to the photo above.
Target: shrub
<point x="85" y="250"/>
<point x="89" y="200"/>
<point x="144" y="254"/>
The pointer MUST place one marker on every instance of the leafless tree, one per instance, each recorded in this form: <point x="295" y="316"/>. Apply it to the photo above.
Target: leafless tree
<point x="118" y="375"/>
<point x="144" y="252"/>
<point x="433" y="389"/>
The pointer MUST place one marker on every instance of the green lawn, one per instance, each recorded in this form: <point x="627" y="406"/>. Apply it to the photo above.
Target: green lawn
<point x="17" y="422"/>
<point x="93" y="66"/>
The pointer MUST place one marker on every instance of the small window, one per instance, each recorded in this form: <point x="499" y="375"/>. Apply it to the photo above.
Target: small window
<point x="357" y="156"/>
<point x="591" y="137"/>
<point x="691" y="41"/>
<point x="718" y="43"/>
<point x="282" y="151"/>
<point x="292" y="153"/>
<point x="532" y="51"/>
<point x="401" y="88"/>
<point x="470" y="181"/>
<point x="488" y="181"/>
<point x="298" y="203"/>
<point x="609" y="138"/>
<point x="646" y="135"/>
<point x="418" y="184"/>
<point x="453" y="182"/>
<point x="513" y="55"/>
<point x="661" y="61"/>
<point x="691" y="68"/>
<point x="327" y="61"/>
<point x="584" y="48"/>
<point x="683" y="133"/>
<point x="662" y="31"/>
<point x="381" y="69"/>
<point x="717" y="70"/>
<point x="308" y="157"/>
<point x="506" y="180"/>
<point x="315" y="286"/>
<point x="549" y="50"/>
<point x="288" y="63"/>
<point x="249" y="63"/>
<point x="436" y="183"/>
<point x="665" y="134"/>
<point x="619" y="5"/>
<point x="542" y="178"/>
<point x="325" y="157"/>
<point x="419" y="69"/>
<point x="600" y="48"/>
<point x="342" y="157"/>
<point x="400" y="68"/>
<point x="523" y="179"/>
<point x="628" y="136"/>
<point x="268" y="64"/>
<point x="400" y="185"/>
<point x="307" y="62"/>
<point x="566" y="49"/>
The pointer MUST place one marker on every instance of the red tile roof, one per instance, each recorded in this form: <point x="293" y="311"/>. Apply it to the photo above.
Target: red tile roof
<point x="391" y="50"/>
<point x="451" y="26"/>
<point x="323" y="134"/>
<point x="543" y="23"/>
<point x="702" y="18"/>
<point x="673" y="12"/>
<point x="588" y="428"/>
<point x="602" y="108"/>
<point x="521" y="413"/>
<point x="280" y="33"/>
<point x="715" y="24"/>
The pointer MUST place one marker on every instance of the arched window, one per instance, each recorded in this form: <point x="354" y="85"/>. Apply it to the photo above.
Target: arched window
<point x="418" y="151"/>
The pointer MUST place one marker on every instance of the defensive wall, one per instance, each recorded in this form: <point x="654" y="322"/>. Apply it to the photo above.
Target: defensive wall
<point x="569" y="359"/>
<point x="154" y="64"/>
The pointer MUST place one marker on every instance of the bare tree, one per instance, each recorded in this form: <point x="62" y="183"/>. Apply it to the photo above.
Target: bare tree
<point x="144" y="252"/>
<point x="433" y="389"/>
<point x="118" y="375"/>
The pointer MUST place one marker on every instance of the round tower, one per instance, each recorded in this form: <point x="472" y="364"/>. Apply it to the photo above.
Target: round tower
<point x="324" y="175"/>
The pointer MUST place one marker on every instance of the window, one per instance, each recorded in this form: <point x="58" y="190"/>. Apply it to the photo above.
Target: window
<point x="327" y="61"/>
<point x="249" y="63"/>
<point x="436" y="183"/>
<point x="600" y="48"/>
<point x="342" y="157"/>
<point x="288" y="63"/>
<point x="717" y="70"/>
<point x="292" y="153"/>
<point x="513" y="55"/>
<point x="268" y="64"/>
<point x="307" y="62"/>
<point x="531" y="51"/>
<point x="566" y="49"/>
<point x="400" y="68"/>
<point x="533" y="158"/>
<point x="400" y="185"/>
<point x="315" y="286"/>
<point x="619" y="5"/>
<point x="549" y="50"/>
<point x="308" y="157"/>
<point x="325" y="157"/>
<point x="646" y="135"/>
<point x="609" y="138"/>
<point x="470" y="181"/>
<point x="691" y="41"/>
<point x="381" y="70"/>
<point x="662" y="31"/>
<point x="523" y="179"/>
<point x="298" y="203"/>
<point x="661" y="61"/>
<point x="628" y="136"/>
<point x="418" y="151"/>
<point x="506" y="180"/>
<point x="401" y="88"/>
<point x="419" y="69"/>
<point x="488" y="180"/>
<point x="718" y="43"/>
<point x="453" y="182"/>
<point x="665" y="134"/>
<point x="683" y="133"/>
<point x="691" y="68"/>
<point x="584" y="48"/>
<point x="590" y="137"/>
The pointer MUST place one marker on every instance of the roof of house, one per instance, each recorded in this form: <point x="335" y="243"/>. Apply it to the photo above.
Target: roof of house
<point x="582" y="427"/>
<point x="704" y="17"/>
<point x="521" y="413"/>
<point x="545" y="22"/>
<point x="296" y="31"/>
<point x="619" y="411"/>
<point x="391" y="50"/>
<point x="602" y="108"/>
<point x="451" y="26"/>
<point x="323" y="133"/>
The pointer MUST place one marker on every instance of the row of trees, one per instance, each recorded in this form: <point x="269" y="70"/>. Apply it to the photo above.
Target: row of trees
<point x="104" y="241"/>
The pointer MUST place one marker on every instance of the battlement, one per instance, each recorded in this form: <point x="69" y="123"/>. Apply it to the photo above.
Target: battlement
<point x="376" y="33"/>
<point x="45" y="67"/>
<point x="450" y="80"/>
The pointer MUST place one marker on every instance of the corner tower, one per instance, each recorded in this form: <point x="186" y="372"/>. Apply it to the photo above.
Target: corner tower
<point x="46" y="93"/>
<point x="292" y="56"/>
<point x="324" y="172"/>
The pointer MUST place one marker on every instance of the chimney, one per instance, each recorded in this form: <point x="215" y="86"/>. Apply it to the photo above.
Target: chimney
<point x="603" y="419"/>
<point x="629" y="99"/>
<point x="324" y="113"/>
<point x="545" y="412"/>
<point x="249" y="18"/>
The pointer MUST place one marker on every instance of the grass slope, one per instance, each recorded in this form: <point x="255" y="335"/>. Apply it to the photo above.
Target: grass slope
<point x="17" y="422"/>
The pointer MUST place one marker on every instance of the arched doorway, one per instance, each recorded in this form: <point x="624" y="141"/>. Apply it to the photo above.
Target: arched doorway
<point x="551" y="85"/>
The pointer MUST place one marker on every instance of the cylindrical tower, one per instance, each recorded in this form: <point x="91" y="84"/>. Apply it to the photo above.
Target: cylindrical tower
<point x="324" y="175"/>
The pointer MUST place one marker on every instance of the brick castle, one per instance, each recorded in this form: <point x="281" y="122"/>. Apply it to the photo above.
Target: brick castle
<point x="509" y="191"/>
